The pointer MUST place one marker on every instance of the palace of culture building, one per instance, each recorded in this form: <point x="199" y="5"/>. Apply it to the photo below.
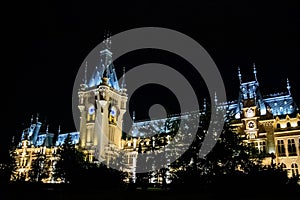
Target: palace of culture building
<point x="271" y="123"/>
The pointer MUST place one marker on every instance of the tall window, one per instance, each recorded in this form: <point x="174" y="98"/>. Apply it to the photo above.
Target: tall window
<point x="280" y="148"/>
<point x="299" y="144"/>
<point x="288" y="125"/>
<point x="298" y="123"/>
<point x="262" y="147"/>
<point x="292" y="147"/>
<point x="295" y="170"/>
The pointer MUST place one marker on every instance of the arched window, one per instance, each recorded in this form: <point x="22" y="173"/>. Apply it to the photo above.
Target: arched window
<point x="288" y="125"/>
<point x="278" y="125"/>
<point x="298" y="123"/>
<point x="283" y="166"/>
<point x="295" y="170"/>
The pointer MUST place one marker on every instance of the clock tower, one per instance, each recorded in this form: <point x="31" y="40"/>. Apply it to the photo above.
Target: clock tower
<point x="250" y="121"/>
<point x="102" y="104"/>
<point x="255" y="116"/>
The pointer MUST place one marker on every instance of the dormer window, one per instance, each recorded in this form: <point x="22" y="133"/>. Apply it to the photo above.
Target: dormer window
<point x="278" y="125"/>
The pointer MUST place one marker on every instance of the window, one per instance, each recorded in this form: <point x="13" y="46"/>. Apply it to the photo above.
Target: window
<point x="278" y="125"/>
<point x="295" y="170"/>
<point x="283" y="166"/>
<point x="252" y="135"/>
<point x="292" y="147"/>
<point x="298" y="123"/>
<point x="280" y="148"/>
<point x="262" y="147"/>
<point x="299" y="144"/>
<point x="288" y="125"/>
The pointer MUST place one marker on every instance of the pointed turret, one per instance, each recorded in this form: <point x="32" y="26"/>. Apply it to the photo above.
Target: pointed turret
<point x="84" y="85"/>
<point x="133" y="116"/>
<point x="107" y="40"/>
<point x="85" y="73"/>
<point x="123" y="85"/>
<point x="216" y="99"/>
<point x="255" y="72"/>
<point x="288" y="86"/>
<point x="105" y="68"/>
<point x="36" y="130"/>
<point x="240" y="75"/>
<point x="47" y="129"/>
<point x="204" y="104"/>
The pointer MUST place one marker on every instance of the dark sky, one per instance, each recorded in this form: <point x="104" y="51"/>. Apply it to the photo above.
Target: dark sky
<point x="56" y="36"/>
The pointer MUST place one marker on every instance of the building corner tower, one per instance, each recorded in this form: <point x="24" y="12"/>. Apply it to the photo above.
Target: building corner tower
<point x="102" y="104"/>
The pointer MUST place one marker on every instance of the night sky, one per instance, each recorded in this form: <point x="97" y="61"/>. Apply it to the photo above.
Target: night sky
<point x="55" y="37"/>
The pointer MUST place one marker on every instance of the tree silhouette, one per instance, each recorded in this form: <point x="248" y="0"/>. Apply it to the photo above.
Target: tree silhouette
<point x="8" y="165"/>
<point x="72" y="168"/>
<point x="71" y="163"/>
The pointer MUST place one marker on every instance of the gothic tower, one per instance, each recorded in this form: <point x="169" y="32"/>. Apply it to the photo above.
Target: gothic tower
<point x="102" y="104"/>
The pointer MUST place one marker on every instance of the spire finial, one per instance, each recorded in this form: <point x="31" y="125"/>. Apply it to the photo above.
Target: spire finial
<point x="204" y="104"/>
<point x="47" y="129"/>
<point x="123" y="80"/>
<point x="107" y="39"/>
<point x="31" y="120"/>
<point x="58" y="129"/>
<point x="239" y="75"/>
<point x="288" y="86"/>
<point x="133" y="116"/>
<point x="85" y="73"/>
<point x="254" y="72"/>
<point x="216" y="98"/>
<point x="37" y="117"/>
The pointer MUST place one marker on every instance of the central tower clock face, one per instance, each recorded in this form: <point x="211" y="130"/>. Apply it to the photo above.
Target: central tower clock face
<point x="91" y="110"/>
<point x="113" y="111"/>
<point x="251" y="125"/>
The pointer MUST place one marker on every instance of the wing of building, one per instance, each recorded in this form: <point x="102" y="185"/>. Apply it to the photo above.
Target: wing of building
<point x="36" y="140"/>
<point x="271" y="123"/>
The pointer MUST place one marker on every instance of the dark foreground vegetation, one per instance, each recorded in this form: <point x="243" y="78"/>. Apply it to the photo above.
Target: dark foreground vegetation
<point x="224" y="189"/>
<point x="232" y="170"/>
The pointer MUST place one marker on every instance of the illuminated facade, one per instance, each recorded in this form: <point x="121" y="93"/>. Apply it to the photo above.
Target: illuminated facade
<point x="270" y="123"/>
<point x="36" y="141"/>
<point x="102" y="104"/>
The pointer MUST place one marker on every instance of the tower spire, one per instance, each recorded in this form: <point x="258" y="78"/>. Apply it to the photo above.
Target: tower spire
<point x="47" y="129"/>
<point x="107" y="39"/>
<point x="255" y="72"/>
<point x="216" y="99"/>
<point x="133" y="116"/>
<point x="31" y="120"/>
<point x="204" y="104"/>
<point x="37" y="117"/>
<point x="85" y="73"/>
<point x="58" y="129"/>
<point x="239" y="75"/>
<point x="288" y="86"/>
<point x="123" y="79"/>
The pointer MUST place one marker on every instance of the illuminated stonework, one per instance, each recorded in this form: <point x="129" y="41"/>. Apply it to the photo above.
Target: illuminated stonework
<point x="270" y="123"/>
<point x="38" y="141"/>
